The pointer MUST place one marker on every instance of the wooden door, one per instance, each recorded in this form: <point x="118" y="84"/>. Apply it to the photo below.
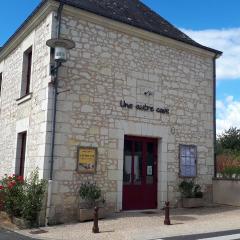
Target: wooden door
<point x="140" y="173"/>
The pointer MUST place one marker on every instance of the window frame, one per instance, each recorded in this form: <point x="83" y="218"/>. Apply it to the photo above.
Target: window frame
<point x="25" y="88"/>
<point x="21" y="153"/>
<point x="29" y="72"/>
<point x="1" y="81"/>
<point x="196" y="160"/>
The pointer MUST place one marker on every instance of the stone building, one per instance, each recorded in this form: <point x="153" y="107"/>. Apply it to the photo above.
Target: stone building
<point x="136" y="92"/>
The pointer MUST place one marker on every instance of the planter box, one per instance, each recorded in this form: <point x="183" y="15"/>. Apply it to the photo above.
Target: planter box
<point x="87" y="214"/>
<point x="192" y="202"/>
<point x="226" y="192"/>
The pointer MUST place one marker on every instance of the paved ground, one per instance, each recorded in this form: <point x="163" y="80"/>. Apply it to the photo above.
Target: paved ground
<point x="147" y="226"/>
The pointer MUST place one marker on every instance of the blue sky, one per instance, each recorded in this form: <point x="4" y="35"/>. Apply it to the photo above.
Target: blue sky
<point x="214" y="23"/>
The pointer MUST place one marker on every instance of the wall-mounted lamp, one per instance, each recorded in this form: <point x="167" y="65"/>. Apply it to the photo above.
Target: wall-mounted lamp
<point x="60" y="46"/>
<point x="148" y="93"/>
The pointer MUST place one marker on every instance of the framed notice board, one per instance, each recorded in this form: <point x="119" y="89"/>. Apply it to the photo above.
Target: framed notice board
<point x="86" y="159"/>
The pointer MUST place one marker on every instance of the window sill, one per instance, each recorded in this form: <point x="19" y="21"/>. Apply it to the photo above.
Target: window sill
<point x="24" y="98"/>
<point x="189" y="177"/>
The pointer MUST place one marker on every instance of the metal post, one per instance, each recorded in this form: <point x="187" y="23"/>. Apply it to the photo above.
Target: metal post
<point x="167" y="218"/>
<point x="95" y="228"/>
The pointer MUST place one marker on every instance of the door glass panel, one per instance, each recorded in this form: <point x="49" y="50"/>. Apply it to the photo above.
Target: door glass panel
<point x="127" y="166"/>
<point x="150" y="163"/>
<point x="138" y="163"/>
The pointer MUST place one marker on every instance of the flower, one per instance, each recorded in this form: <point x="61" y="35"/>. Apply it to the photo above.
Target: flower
<point x="20" y="178"/>
<point x="1" y="187"/>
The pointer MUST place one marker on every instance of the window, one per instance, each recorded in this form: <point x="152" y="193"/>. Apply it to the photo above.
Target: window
<point x="188" y="160"/>
<point x="21" y="152"/>
<point x="27" y="69"/>
<point x="0" y="84"/>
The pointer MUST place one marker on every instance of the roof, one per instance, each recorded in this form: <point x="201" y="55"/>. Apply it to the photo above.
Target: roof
<point x="131" y="12"/>
<point x="137" y="14"/>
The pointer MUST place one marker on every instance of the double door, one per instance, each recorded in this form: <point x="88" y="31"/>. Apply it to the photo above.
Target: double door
<point x="140" y="173"/>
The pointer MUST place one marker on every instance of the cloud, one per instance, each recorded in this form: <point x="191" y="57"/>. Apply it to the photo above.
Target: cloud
<point x="228" y="114"/>
<point x="225" y="40"/>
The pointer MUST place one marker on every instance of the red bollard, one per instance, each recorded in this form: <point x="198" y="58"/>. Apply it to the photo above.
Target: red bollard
<point x="167" y="218"/>
<point x="95" y="228"/>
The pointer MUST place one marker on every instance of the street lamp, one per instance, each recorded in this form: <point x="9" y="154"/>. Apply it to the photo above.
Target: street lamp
<point x="60" y="46"/>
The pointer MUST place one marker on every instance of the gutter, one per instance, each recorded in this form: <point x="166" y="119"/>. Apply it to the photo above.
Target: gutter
<point x="54" y="112"/>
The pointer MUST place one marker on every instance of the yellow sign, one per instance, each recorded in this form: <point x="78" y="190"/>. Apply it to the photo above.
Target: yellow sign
<point x="87" y="159"/>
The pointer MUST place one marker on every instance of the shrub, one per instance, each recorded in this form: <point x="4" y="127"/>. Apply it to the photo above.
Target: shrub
<point x="189" y="189"/>
<point x="91" y="193"/>
<point x="12" y="189"/>
<point x="231" y="172"/>
<point x="22" y="198"/>
<point x="34" y="194"/>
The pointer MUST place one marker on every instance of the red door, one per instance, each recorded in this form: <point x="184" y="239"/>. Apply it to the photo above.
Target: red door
<point x="140" y="173"/>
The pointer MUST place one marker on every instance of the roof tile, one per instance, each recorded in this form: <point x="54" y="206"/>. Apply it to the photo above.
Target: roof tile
<point x="135" y="13"/>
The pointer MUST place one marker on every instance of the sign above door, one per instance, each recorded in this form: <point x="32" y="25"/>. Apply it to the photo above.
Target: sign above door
<point x="143" y="107"/>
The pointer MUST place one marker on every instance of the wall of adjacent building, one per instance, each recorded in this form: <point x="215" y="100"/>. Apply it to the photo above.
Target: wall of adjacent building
<point x="108" y="66"/>
<point x="30" y="113"/>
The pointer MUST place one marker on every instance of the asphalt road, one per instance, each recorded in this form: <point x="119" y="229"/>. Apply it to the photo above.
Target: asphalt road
<point x="225" y="235"/>
<point x="9" y="235"/>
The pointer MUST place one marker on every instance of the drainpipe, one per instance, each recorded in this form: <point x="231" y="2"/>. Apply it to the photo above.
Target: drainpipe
<point x="54" y="111"/>
<point x="214" y="114"/>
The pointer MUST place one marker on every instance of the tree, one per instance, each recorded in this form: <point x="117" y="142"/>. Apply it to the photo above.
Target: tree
<point x="229" y="140"/>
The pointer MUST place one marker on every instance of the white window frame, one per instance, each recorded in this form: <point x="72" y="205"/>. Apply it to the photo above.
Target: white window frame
<point x="1" y="82"/>
<point x="187" y="160"/>
<point x="26" y="75"/>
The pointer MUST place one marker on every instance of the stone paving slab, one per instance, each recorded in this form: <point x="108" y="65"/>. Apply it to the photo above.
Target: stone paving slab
<point x="143" y="226"/>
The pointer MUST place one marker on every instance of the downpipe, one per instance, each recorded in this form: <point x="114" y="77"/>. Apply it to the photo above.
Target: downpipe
<point x="50" y="180"/>
<point x="49" y="199"/>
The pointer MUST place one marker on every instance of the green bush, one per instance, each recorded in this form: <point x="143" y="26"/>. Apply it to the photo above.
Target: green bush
<point x="189" y="189"/>
<point x="34" y="194"/>
<point x="12" y="190"/>
<point x="91" y="193"/>
<point x="23" y="198"/>
<point x="231" y="172"/>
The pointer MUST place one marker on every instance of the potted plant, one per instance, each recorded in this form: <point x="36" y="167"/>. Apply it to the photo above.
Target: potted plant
<point x="90" y="197"/>
<point x="191" y="194"/>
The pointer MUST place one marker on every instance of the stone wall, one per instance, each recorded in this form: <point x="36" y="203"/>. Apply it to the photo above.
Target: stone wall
<point x="30" y="113"/>
<point x="231" y="193"/>
<point x="108" y="66"/>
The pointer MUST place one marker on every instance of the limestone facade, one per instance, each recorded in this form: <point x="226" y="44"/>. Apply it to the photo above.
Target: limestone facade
<point x="30" y="112"/>
<point x="106" y="66"/>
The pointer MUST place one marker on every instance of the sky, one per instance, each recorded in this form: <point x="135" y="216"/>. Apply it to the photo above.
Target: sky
<point x="214" y="23"/>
